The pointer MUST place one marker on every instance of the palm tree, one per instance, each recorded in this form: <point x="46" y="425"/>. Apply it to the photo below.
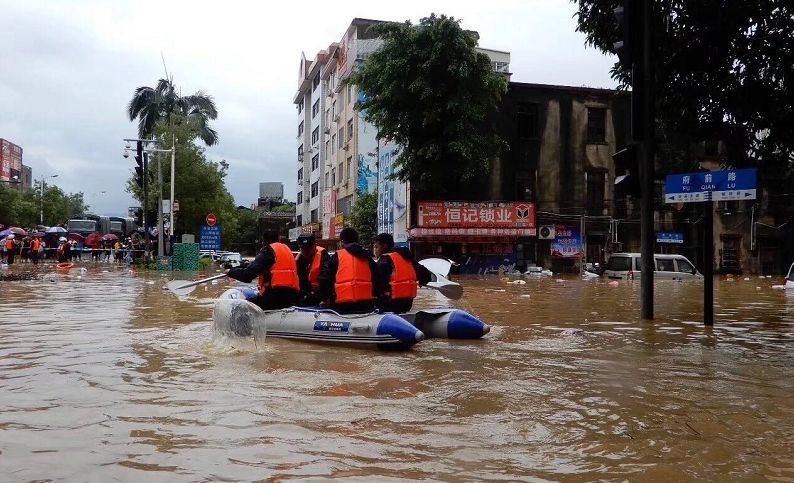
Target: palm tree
<point x="151" y="105"/>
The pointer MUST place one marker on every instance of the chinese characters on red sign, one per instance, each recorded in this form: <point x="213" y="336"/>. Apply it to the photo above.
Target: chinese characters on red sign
<point x="457" y="214"/>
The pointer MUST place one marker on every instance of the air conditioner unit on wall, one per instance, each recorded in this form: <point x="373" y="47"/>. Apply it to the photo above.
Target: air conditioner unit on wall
<point x="546" y="232"/>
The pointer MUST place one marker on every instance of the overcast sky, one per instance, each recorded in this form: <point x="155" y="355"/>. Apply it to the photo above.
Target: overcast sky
<point x="69" y="68"/>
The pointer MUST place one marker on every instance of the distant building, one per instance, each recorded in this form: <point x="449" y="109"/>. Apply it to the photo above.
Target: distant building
<point x="10" y="162"/>
<point x="271" y="194"/>
<point x="27" y="178"/>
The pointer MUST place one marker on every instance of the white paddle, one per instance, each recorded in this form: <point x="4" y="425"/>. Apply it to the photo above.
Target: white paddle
<point x="448" y="288"/>
<point x="180" y="288"/>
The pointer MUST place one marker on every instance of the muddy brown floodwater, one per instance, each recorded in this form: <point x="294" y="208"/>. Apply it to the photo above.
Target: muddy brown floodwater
<point x="107" y="377"/>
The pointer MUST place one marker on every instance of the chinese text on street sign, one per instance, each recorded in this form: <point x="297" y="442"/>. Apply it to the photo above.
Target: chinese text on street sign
<point x="210" y="237"/>
<point x="662" y="237"/>
<point x="730" y="185"/>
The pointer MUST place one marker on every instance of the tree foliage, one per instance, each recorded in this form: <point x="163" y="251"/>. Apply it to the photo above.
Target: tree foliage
<point x="364" y="217"/>
<point x="151" y="105"/>
<point x="428" y="89"/>
<point x="724" y="70"/>
<point x="22" y="208"/>
<point x="199" y="188"/>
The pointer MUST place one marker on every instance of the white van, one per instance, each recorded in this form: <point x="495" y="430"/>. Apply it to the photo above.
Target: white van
<point x="628" y="266"/>
<point x="230" y="260"/>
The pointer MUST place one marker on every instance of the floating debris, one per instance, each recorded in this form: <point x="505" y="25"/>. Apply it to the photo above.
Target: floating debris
<point x="13" y="277"/>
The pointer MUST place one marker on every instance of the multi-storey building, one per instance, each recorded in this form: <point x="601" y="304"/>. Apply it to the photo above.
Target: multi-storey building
<point x="338" y="150"/>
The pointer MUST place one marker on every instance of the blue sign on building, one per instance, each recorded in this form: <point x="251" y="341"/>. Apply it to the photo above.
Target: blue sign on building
<point x="735" y="184"/>
<point x="669" y="237"/>
<point x="210" y="237"/>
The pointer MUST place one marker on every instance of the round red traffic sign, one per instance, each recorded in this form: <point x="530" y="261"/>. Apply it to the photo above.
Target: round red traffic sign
<point x="211" y="219"/>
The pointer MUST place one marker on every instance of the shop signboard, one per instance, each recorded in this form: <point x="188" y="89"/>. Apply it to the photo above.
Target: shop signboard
<point x="465" y="214"/>
<point x="567" y="241"/>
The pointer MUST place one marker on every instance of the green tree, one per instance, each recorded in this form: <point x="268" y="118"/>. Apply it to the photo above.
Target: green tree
<point x="364" y="217"/>
<point x="287" y="207"/>
<point x="151" y="105"/>
<point x="723" y="71"/>
<point x="21" y="208"/>
<point x="428" y="89"/>
<point x="199" y="187"/>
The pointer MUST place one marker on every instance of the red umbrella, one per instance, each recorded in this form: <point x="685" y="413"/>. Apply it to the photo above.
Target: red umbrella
<point x="93" y="240"/>
<point x="75" y="236"/>
<point x="110" y="237"/>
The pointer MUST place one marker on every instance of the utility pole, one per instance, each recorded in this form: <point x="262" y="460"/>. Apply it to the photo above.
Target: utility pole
<point x="147" y="244"/>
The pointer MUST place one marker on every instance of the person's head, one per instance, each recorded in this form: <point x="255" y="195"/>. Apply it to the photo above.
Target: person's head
<point x="306" y="242"/>
<point x="348" y="235"/>
<point x="269" y="237"/>
<point x="384" y="243"/>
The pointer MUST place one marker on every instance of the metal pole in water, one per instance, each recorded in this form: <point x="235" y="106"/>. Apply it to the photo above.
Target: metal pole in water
<point x="708" y="262"/>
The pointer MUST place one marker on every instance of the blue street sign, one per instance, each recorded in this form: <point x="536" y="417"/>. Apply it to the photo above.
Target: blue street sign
<point x="669" y="237"/>
<point x="735" y="184"/>
<point x="210" y="237"/>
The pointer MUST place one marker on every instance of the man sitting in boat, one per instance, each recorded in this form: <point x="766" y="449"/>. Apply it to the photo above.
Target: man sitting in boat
<point x="349" y="282"/>
<point x="275" y="266"/>
<point x="310" y="260"/>
<point x="399" y="274"/>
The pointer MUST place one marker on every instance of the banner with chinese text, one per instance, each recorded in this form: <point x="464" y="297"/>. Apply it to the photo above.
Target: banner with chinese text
<point x="567" y="241"/>
<point x="464" y="214"/>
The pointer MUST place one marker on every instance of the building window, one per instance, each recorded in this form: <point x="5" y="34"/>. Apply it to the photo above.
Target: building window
<point x="596" y="125"/>
<point x="333" y="144"/>
<point x="341" y="171"/>
<point x="503" y="67"/>
<point x="527" y="121"/>
<point x="350" y="93"/>
<point x="327" y="149"/>
<point x="341" y="136"/>
<point x="300" y="175"/>
<point x="300" y="218"/>
<point x="315" y="135"/>
<point x="300" y="131"/>
<point x="300" y="106"/>
<point x="327" y="176"/>
<point x="349" y="129"/>
<point x="596" y="181"/>
<point x="349" y="167"/>
<point x="333" y="110"/>
<point x="315" y="162"/>
<point x="314" y="215"/>
<point x="316" y="81"/>
<point x="315" y="189"/>
<point x="333" y="176"/>
<point x="300" y="199"/>
<point x="315" y="108"/>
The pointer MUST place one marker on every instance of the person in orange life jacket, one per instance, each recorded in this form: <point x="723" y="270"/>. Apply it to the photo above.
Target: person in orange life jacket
<point x="35" y="246"/>
<point x="64" y="250"/>
<point x="399" y="273"/>
<point x="310" y="261"/>
<point x="349" y="281"/>
<point x="275" y="267"/>
<point x="11" y="249"/>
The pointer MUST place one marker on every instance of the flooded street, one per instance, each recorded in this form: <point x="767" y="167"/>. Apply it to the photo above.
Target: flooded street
<point x="111" y="378"/>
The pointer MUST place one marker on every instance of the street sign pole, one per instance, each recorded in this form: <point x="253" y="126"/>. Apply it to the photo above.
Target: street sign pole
<point x="708" y="262"/>
<point x="643" y="71"/>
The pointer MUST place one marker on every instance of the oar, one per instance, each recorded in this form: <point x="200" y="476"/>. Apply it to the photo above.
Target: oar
<point x="180" y="288"/>
<point x="448" y="288"/>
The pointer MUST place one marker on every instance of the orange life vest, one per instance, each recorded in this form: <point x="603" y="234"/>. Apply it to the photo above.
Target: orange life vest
<point x="9" y="244"/>
<point x="314" y="269"/>
<point x="35" y="245"/>
<point x="353" y="279"/>
<point x="403" y="277"/>
<point x="283" y="273"/>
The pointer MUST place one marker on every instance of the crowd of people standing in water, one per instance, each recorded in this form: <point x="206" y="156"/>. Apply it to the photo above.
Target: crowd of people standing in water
<point x="27" y="249"/>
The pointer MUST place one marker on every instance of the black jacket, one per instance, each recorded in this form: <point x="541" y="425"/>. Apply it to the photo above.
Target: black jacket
<point x="261" y="264"/>
<point x="328" y="272"/>
<point x="386" y="267"/>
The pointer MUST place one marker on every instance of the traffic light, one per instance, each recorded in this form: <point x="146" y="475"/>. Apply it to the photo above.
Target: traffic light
<point x="627" y="172"/>
<point x="629" y="47"/>
<point x="140" y="172"/>
<point x="139" y="217"/>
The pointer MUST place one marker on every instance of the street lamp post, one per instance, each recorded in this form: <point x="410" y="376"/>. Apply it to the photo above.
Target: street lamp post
<point x="41" y="197"/>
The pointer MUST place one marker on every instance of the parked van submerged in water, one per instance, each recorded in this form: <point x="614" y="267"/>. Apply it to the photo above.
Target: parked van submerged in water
<point x="628" y="266"/>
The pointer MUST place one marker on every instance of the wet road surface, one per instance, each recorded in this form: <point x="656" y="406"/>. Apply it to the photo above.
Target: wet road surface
<point x="107" y="377"/>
